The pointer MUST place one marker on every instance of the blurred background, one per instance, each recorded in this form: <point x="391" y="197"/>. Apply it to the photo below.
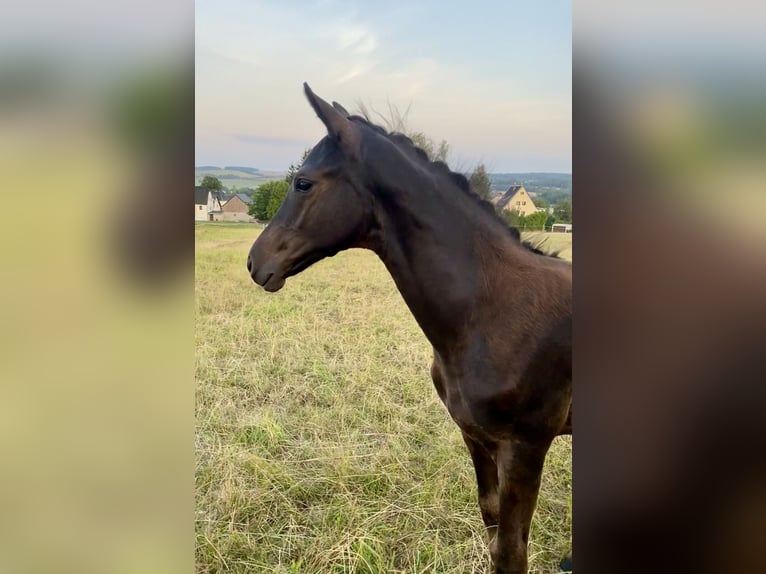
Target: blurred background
<point x="669" y="145"/>
<point x="96" y="319"/>
<point x="684" y="88"/>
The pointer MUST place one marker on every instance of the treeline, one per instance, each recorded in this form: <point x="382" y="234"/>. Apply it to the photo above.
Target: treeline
<point x="233" y="175"/>
<point x="551" y="196"/>
<point x="250" y="170"/>
<point x="533" y="181"/>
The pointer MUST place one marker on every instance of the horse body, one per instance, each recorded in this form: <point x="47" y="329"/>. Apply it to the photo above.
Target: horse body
<point x="497" y="314"/>
<point x="509" y="391"/>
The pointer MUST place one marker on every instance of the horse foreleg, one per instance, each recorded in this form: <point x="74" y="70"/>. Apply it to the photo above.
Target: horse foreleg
<point x="487" y="480"/>
<point x="520" y="466"/>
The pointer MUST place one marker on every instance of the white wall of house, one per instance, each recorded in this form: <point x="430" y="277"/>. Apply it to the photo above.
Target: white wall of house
<point x="202" y="212"/>
<point x="237" y="216"/>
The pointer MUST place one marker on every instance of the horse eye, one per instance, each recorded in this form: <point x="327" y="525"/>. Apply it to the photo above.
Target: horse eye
<point x="303" y="184"/>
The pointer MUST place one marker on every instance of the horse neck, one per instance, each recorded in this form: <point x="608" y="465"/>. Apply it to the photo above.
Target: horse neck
<point x="432" y="240"/>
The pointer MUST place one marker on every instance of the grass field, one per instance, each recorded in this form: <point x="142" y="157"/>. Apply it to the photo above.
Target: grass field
<point x="321" y="444"/>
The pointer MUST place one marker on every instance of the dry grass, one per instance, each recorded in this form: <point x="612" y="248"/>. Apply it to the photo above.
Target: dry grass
<point x="321" y="444"/>
<point x="559" y="243"/>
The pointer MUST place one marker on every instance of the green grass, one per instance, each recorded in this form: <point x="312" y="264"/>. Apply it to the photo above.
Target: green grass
<point x="321" y="444"/>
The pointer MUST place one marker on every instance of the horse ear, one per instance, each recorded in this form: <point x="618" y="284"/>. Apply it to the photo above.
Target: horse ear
<point x="340" y="108"/>
<point x="337" y="123"/>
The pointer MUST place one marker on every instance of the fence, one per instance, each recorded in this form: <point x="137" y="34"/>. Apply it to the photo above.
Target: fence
<point x="555" y="228"/>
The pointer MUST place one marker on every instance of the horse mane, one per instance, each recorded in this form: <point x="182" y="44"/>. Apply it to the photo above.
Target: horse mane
<point x="458" y="179"/>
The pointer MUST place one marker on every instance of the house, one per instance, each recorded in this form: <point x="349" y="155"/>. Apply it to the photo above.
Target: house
<point x="235" y="209"/>
<point x="517" y="199"/>
<point x="207" y="204"/>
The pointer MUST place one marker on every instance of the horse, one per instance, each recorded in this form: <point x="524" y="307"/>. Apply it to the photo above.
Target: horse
<point x="498" y="314"/>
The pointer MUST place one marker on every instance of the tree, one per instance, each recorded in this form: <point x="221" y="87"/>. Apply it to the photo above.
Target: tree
<point x="211" y="183"/>
<point x="480" y="182"/>
<point x="293" y="169"/>
<point x="261" y="207"/>
<point x="397" y="121"/>
<point x="550" y="221"/>
<point x="433" y="151"/>
<point x="278" y="194"/>
<point x="260" y="203"/>
<point x="534" y="221"/>
<point x="563" y="211"/>
<point x="512" y="217"/>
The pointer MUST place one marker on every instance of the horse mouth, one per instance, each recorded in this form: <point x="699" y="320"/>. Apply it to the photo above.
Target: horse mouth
<point x="269" y="280"/>
<point x="273" y="283"/>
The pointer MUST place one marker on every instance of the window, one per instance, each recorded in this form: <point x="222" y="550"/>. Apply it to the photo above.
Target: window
<point x="524" y="203"/>
<point x="200" y="208"/>
<point x="518" y="203"/>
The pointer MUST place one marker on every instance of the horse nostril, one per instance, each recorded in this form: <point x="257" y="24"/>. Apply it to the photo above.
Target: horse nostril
<point x="249" y="264"/>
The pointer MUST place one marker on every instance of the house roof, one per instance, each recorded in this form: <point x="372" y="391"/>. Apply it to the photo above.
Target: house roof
<point x="201" y="195"/>
<point x="508" y="195"/>
<point x="243" y="197"/>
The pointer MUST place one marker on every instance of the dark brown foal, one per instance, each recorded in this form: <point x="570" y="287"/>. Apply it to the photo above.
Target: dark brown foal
<point x="497" y="314"/>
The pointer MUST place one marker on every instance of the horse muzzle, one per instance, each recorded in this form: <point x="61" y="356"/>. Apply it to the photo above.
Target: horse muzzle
<point x="267" y="275"/>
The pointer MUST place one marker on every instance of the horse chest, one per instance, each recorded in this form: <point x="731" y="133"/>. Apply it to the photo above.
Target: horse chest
<point x="461" y="410"/>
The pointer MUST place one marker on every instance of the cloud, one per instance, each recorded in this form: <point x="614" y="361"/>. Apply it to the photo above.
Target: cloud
<point x="356" y="38"/>
<point x="357" y="70"/>
<point x="249" y="99"/>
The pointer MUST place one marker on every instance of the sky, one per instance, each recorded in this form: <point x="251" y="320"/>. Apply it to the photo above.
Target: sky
<point x="494" y="79"/>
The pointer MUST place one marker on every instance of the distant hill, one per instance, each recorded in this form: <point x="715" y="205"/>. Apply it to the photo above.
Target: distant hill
<point x="252" y="170"/>
<point x="237" y="178"/>
<point x="552" y="187"/>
